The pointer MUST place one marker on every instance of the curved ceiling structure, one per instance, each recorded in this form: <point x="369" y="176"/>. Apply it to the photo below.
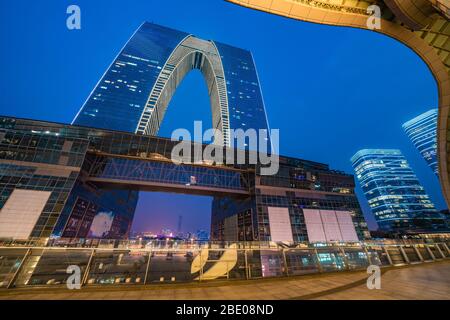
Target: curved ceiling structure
<point x="422" y="25"/>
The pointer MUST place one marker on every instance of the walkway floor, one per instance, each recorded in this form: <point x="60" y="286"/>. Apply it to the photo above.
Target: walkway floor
<point x="425" y="281"/>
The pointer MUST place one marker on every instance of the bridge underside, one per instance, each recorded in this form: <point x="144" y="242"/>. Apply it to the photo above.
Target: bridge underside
<point x="422" y="25"/>
<point x="109" y="172"/>
<point x="111" y="184"/>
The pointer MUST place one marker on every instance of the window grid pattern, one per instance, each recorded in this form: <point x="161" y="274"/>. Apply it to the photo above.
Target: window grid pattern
<point x="42" y="162"/>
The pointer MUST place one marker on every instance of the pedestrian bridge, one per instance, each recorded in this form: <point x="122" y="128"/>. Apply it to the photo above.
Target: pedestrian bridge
<point x="162" y="175"/>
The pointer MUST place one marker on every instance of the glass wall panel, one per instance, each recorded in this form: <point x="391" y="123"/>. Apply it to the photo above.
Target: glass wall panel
<point x="331" y="259"/>
<point x="382" y="255"/>
<point x="375" y="257"/>
<point x="115" y="267"/>
<point x="272" y="263"/>
<point x="254" y="263"/>
<point x="435" y="251"/>
<point x="424" y="253"/>
<point x="172" y="266"/>
<point x="443" y="250"/>
<point x="356" y="259"/>
<point x="239" y="270"/>
<point x="396" y="255"/>
<point x="49" y="266"/>
<point x="301" y="261"/>
<point x="224" y="264"/>
<point x="10" y="260"/>
<point x="411" y="254"/>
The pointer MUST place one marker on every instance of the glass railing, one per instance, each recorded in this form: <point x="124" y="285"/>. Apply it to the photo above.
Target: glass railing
<point x="171" y="243"/>
<point x="137" y="262"/>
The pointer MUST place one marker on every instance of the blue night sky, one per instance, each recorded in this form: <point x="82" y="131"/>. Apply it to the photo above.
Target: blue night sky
<point x="331" y="91"/>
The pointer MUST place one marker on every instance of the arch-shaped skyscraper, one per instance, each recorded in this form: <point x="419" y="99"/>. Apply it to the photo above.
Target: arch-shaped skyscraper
<point x="136" y="90"/>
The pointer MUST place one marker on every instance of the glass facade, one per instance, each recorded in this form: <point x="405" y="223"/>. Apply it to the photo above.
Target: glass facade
<point x="394" y="194"/>
<point x="245" y="101"/>
<point x="37" y="161"/>
<point x="138" y="171"/>
<point x="298" y="185"/>
<point x="134" y="92"/>
<point x="120" y="97"/>
<point x="422" y="130"/>
<point x="95" y="212"/>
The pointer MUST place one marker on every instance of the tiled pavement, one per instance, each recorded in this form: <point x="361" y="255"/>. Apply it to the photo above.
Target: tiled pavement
<point x="426" y="281"/>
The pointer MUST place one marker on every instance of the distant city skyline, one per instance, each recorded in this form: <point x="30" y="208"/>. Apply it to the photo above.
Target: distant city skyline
<point x="168" y="232"/>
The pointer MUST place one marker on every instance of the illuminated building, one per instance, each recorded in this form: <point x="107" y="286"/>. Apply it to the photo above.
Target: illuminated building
<point x="395" y="196"/>
<point x="422" y="130"/>
<point x="43" y="162"/>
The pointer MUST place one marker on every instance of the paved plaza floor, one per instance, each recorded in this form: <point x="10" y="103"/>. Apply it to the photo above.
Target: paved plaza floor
<point x="424" y="281"/>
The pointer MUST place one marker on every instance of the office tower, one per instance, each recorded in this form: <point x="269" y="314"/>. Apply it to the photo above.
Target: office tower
<point x="133" y="96"/>
<point x="395" y="196"/>
<point x="422" y="130"/>
<point x="135" y="91"/>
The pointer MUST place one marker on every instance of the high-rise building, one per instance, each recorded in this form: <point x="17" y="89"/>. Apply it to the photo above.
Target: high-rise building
<point x="422" y="130"/>
<point x="395" y="196"/>
<point x="135" y="91"/>
<point x="133" y="96"/>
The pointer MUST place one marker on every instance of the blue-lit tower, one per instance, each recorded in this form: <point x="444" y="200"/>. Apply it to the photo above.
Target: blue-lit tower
<point x="422" y="130"/>
<point x="395" y="196"/>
